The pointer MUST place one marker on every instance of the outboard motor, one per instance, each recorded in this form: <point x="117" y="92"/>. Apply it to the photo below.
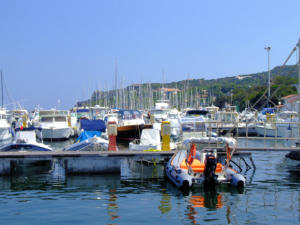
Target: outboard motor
<point x="210" y="169"/>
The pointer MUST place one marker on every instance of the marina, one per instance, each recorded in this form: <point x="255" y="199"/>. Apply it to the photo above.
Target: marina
<point x="149" y="112"/>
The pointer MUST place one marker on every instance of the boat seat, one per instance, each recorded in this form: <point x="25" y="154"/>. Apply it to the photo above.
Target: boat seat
<point x="199" y="167"/>
<point x="196" y="166"/>
<point x="219" y="168"/>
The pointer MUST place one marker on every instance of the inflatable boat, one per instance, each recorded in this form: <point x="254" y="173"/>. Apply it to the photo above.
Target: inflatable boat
<point x="191" y="167"/>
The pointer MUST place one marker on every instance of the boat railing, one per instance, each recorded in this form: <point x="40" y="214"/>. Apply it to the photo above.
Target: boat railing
<point x="248" y="130"/>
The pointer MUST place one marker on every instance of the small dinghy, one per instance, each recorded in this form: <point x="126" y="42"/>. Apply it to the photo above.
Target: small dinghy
<point x="25" y="140"/>
<point x="188" y="168"/>
<point x="90" y="138"/>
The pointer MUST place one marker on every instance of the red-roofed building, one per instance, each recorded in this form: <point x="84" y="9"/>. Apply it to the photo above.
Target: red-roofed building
<point x="290" y="102"/>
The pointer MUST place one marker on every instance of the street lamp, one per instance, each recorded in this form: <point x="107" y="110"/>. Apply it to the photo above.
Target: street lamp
<point x="269" y="75"/>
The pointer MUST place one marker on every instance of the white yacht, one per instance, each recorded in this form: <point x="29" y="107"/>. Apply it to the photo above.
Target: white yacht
<point x="54" y="125"/>
<point x="5" y="128"/>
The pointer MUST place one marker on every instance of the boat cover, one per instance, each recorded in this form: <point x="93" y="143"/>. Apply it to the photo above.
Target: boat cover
<point x="88" y="134"/>
<point x="268" y="110"/>
<point x="82" y="110"/>
<point x="150" y="137"/>
<point x="92" y="125"/>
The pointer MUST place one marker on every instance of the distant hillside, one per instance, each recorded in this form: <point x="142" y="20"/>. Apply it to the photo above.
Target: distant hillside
<point x="240" y="89"/>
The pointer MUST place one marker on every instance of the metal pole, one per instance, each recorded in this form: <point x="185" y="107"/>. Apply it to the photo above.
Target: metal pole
<point x="298" y="88"/>
<point x="2" y="88"/>
<point x="269" y="72"/>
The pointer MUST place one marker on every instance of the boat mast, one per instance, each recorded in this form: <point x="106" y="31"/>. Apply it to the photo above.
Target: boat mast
<point x="298" y="45"/>
<point x="116" y="83"/>
<point x="2" y="89"/>
<point x="269" y="72"/>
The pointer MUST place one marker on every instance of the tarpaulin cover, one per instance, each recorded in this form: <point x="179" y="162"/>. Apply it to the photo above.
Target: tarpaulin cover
<point x="88" y="134"/>
<point x="92" y="125"/>
<point x="150" y="137"/>
<point x="268" y="110"/>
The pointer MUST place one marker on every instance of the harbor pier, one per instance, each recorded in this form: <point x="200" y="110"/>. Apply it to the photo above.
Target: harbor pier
<point x="88" y="162"/>
<point x="80" y="162"/>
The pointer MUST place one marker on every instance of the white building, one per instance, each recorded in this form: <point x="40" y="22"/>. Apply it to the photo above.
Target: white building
<point x="290" y="103"/>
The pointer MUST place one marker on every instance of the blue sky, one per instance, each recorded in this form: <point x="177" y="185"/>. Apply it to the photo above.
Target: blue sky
<point x="61" y="50"/>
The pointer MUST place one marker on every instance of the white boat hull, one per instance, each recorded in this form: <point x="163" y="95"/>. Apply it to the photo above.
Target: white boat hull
<point x="267" y="132"/>
<point x="54" y="133"/>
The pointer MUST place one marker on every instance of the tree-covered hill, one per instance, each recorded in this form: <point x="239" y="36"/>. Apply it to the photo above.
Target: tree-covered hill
<point x="240" y="90"/>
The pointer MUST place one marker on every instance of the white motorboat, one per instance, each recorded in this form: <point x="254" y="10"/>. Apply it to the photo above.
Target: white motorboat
<point x="5" y="128"/>
<point x="190" y="167"/>
<point x="25" y="140"/>
<point x="194" y="120"/>
<point x="54" y="125"/>
<point x="130" y="124"/>
<point x="98" y="113"/>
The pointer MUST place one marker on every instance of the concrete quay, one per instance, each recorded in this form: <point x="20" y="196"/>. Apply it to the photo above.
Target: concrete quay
<point x="80" y="162"/>
<point x="104" y="161"/>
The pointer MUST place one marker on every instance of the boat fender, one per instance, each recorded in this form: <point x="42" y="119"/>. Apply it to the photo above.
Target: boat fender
<point x="237" y="180"/>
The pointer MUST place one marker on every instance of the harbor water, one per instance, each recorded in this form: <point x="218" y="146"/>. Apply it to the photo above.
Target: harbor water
<point x="142" y="195"/>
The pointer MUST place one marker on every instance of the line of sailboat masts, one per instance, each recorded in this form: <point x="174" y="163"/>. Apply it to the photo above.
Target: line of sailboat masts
<point x="143" y="96"/>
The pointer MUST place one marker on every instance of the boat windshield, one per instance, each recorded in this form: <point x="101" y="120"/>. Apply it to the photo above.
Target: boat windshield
<point x="60" y="119"/>
<point x="129" y="115"/>
<point x="196" y="113"/>
<point x="173" y="116"/>
<point x="47" y="119"/>
<point x="157" y="112"/>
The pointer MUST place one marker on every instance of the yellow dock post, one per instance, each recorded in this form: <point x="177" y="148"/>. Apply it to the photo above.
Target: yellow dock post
<point x="165" y="133"/>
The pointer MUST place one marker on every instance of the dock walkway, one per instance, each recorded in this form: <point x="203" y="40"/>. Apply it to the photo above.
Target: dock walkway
<point x="104" y="161"/>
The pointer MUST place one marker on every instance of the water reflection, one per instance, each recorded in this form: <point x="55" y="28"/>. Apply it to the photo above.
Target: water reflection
<point x="272" y="197"/>
<point x="112" y="208"/>
<point x="211" y="200"/>
<point x="165" y="205"/>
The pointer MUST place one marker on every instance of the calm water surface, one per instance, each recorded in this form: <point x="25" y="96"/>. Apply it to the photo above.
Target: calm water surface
<point x="40" y="194"/>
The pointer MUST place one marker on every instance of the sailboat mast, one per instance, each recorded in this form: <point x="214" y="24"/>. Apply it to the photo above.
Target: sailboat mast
<point x="116" y="83"/>
<point x="298" y="87"/>
<point x="2" y="88"/>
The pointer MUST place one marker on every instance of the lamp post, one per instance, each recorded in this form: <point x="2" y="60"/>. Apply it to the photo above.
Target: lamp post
<point x="269" y="72"/>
